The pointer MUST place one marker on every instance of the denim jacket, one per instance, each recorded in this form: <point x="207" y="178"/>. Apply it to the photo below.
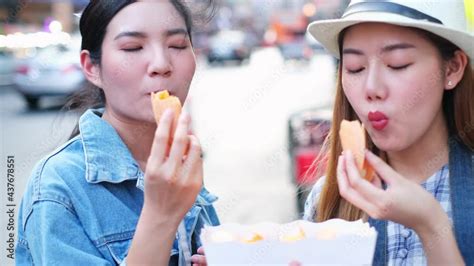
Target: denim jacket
<point x="461" y="168"/>
<point x="82" y="203"/>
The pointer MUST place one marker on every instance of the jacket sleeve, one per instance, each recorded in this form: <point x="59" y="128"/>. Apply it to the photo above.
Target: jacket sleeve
<point x="55" y="237"/>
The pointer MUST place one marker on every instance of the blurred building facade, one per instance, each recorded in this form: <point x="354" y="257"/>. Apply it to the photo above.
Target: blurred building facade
<point x="36" y="14"/>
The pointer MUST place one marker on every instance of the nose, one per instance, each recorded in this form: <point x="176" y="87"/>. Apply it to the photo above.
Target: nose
<point x="375" y="88"/>
<point x="160" y="63"/>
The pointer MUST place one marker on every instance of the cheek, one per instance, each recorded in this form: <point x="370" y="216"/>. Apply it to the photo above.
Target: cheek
<point x="120" y="70"/>
<point x="187" y="66"/>
<point x="417" y="94"/>
<point x="353" y="90"/>
<point x="184" y="71"/>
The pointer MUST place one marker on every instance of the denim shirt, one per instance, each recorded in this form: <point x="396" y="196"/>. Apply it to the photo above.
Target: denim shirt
<point x="82" y="203"/>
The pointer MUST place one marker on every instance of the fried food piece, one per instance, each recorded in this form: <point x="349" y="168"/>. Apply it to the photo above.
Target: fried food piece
<point x="352" y="135"/>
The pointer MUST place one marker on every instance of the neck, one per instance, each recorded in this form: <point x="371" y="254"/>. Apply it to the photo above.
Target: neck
<point x="137" y="135"/>
<point x="424" y="158"/>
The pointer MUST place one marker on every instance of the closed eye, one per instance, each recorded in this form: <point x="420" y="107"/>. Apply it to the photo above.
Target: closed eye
<point x="134" y="49"/>
<point x="400" y="67"/>
<point x="355" y="71"/>
<point x="179" y="47"/>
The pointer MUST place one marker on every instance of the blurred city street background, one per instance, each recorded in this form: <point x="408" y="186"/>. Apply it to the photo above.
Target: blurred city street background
<point x="256" y="69"/>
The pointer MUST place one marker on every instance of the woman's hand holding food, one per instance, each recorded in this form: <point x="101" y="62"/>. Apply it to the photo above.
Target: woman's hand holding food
<point x="403" y="201"/>
<point x="174" y="175"/>
<point x="173" y="179"/>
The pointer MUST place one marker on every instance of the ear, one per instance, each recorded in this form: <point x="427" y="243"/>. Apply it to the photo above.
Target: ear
<point x="91" y="71"/>
<point x="455" y="68"/>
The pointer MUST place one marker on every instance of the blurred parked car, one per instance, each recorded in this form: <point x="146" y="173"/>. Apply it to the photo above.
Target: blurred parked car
<point x="298" y="50"/>
<point x="7" y="68"/>
<point x="54" y="71"/>
<point x="228" y="45"/>
<point x="308" y="130"/>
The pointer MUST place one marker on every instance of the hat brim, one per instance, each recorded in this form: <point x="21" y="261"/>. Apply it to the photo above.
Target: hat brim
<point x="327" y="32"/>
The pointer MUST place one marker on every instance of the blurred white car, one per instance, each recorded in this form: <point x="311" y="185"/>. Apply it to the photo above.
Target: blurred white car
<point x="54" y="71"/>
<point x="228" y="45"/>
<point x="7" y="68"/>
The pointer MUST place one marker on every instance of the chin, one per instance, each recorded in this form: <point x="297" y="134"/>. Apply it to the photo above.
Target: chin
<point x="389" y="145"/>
<point x="149" y="120"/>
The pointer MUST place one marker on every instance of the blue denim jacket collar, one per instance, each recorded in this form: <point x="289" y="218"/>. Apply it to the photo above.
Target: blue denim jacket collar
<point x="461" y="168"/>
<point x="105" y="149"/>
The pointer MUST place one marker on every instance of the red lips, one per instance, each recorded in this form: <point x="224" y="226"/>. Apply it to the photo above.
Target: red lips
<point x="378" y="120"/>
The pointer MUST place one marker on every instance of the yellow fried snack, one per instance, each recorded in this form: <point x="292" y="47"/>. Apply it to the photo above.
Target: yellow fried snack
<point x="352" y="135"/>
<point x="252" y="238"/>
<point x="161" y="101"/>
<point x="293" y="235"/>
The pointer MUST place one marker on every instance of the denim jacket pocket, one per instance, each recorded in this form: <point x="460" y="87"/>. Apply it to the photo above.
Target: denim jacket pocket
<point x="117" y="245"/>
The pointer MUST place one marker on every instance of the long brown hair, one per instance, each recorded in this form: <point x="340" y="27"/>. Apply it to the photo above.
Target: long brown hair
<point x="458" y="108"/>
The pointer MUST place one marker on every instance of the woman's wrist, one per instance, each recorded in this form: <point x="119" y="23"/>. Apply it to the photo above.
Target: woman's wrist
<point x="436" y="227"/>
<point x="153" y="216"/>
<point x="439" y="242"/>
<point x="153" y="239"/>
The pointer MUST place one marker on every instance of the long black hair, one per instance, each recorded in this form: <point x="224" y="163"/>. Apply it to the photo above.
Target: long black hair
<point x="93" y="26"/>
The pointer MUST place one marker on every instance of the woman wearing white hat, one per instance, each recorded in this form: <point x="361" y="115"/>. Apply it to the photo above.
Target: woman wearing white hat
<point x="405" y="74"/>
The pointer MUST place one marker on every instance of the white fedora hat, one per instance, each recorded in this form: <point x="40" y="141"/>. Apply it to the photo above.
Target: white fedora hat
<point x="445" y="18"/>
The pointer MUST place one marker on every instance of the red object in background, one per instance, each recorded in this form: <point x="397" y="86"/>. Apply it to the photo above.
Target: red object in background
<point x="23" y="70"/>
<point x="304" y="158"/>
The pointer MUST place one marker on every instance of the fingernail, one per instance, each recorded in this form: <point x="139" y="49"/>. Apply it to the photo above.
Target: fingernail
<point x="168" y="113"/>
<point x="349" y="153"/>
<point x="185" y="117"/>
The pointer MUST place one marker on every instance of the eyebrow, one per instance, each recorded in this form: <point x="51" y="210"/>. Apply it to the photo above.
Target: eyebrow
<point x="177" y="31"/>
<point x="142" y="35"/>
<point x="386" y="49"/>
<point x="135" y="34"/>
<point x="352" y="51"/>
<point x="403" y="46"/>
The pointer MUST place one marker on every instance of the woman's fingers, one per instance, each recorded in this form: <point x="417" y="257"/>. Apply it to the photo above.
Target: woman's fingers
<point x="348" y="192"/>
<point x="159" y="148"/>
<point x="193" y="161"/>
<point x="199" y="260"/>
<point x="362" y="186"/>
<point x="180" y="141"/>
<point x="384" y="171"/>
<point x="200" y="251"/>
<point x="376" y="181"/>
